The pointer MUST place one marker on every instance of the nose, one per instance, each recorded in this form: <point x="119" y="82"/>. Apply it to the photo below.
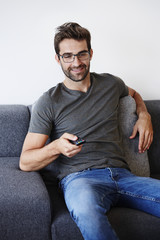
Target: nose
<point x="76" y="61"/>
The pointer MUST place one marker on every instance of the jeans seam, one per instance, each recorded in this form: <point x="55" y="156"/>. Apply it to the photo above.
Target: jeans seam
<point x="138" y="196"/>
<point x="113" y="179"/>
<point x="116" y="185"/>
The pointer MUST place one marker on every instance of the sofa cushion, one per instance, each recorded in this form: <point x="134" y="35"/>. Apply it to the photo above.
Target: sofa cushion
<point x="153" y="107"/>
<point x="138" y="162"/>
<point x="131" y="224"/>
<point x="24" y="203"/>
<point x="14" y="122"/>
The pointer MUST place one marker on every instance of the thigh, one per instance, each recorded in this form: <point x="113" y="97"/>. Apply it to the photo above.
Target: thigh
<point x="88" y="196"/>
<point x="141" y="193"/>
<point x="89" y="189"/>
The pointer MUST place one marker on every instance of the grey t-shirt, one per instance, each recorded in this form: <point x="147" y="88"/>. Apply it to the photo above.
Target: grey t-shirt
<point x="91" y="115"/>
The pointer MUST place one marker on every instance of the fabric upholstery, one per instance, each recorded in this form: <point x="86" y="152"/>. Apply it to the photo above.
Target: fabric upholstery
<point x="138" y="162"/>
<point x="153" y="107"/>
<point x="24" y="203"/>
<point x="131" y="224"/>
<point x="14" y="121"/>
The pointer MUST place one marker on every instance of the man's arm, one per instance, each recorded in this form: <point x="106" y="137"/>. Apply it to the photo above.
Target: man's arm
<point x="36" y="155"/>
<point x="143" y="124"/>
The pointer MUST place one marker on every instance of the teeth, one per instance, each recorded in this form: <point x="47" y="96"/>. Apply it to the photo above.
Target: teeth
<point x="77" y="69"/>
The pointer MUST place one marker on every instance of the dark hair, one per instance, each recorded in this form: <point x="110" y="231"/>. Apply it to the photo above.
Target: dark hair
<point x="71" y="30"/>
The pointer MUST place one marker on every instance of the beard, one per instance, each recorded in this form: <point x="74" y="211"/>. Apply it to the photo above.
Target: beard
<point x="77" y="77"/>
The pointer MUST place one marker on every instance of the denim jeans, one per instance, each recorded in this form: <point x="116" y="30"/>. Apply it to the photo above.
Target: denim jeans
<point x="91" y="193"/>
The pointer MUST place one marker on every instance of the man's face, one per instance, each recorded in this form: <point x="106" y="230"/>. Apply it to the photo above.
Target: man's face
<point x="77" y="70"/>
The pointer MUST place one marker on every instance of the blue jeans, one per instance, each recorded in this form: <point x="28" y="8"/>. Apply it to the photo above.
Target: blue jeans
<point x="91" y="193"/>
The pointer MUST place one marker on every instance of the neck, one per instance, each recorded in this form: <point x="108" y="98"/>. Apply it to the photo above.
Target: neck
<point x="78" y="86"/>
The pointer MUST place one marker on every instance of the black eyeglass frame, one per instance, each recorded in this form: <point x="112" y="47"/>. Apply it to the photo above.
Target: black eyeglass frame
<point x="74" y="55"/>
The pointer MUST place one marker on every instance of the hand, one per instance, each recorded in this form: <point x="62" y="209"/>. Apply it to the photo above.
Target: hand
<point x="65" y="147"/>
<point x="144" y="127"/>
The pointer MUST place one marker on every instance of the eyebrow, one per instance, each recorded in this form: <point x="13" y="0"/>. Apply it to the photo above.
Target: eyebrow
<point x="76" y="53"/>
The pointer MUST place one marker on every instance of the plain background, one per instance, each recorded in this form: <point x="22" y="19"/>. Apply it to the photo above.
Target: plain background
<point x="125" y="40"/>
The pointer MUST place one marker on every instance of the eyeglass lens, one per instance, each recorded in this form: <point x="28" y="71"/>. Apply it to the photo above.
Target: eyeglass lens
<point x="69" y="57"/>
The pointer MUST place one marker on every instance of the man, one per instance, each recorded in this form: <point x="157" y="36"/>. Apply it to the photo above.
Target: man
<point x="93" y="176"/>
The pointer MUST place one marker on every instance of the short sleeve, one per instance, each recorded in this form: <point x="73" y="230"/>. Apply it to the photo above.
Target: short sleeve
<point x="42" y="116"/>
<point x="123" y="89"/>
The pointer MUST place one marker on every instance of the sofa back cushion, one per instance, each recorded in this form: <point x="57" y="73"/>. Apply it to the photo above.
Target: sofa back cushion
<point x="138" y="162"/>
<point x="153" y="107"/>
<point x="14" y="122"/>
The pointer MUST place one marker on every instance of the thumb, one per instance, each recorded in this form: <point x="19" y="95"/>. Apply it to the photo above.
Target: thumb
<point x="133" y="133"/>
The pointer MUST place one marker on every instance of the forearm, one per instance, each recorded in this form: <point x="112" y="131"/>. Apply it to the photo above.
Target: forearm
<point x="36" y="155"/>
<point x="36" y="159"/>
<point x="143" y="124"/>
<point x="140" y="105"/>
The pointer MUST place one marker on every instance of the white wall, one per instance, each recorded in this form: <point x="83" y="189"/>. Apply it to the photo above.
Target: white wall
<point x="125" y="40"/>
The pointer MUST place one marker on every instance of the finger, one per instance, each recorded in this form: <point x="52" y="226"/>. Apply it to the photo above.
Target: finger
<point x="150" y="139"/>
<point x="133" y="133"/>
<point x="73" y="152"/>
<point x="146" y="141"/>
<point x="69" y="136"/>
<point x="141" y="141"/>
<point x="71" y="148"/>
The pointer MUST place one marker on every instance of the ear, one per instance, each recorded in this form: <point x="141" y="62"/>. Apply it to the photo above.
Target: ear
<point x="91" y="54"/>
<point x="57" y="59"/>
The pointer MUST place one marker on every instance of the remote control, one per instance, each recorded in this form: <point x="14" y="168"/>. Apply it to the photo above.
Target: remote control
<point x="78" y="142"/>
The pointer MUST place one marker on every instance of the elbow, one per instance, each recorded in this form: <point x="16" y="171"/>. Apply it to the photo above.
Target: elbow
<point x="132" y="92"/>
<point x="23" y="166"/>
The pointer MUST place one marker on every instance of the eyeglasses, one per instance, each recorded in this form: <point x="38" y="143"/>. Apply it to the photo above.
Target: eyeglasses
<point x="70" y="57"/>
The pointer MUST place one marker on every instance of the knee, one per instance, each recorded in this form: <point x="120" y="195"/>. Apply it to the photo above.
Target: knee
<point x="82" y="201"/>
<point x="85" y="206"/>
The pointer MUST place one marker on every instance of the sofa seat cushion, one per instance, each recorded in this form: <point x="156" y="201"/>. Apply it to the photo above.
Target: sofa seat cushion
<point x="131" y="224"/>
<point x="138" y="162"/>
<point x="24" y="203"/>
<point x="155" y="175"/>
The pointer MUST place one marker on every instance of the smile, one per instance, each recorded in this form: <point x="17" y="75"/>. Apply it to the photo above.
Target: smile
<point x="78" y="69"/>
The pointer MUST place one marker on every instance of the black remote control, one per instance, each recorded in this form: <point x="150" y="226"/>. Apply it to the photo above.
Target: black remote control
<point x="78" y="142"/>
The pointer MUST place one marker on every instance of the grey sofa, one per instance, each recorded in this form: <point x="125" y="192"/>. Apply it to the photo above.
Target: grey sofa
<point x="31" y="205"/>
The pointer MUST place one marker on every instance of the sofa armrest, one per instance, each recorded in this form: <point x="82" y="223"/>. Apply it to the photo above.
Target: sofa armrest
<point x="24" y="203"/>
